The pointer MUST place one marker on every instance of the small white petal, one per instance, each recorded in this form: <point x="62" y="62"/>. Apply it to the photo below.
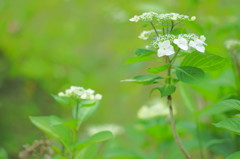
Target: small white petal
<point x="98" y="96"/>
<point x="181" y="43"/>
<point x="193" y="18"/>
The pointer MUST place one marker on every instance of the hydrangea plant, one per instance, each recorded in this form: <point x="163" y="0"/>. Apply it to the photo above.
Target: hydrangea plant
<point x="167" y="44"/>
<point x="83" y="103"/>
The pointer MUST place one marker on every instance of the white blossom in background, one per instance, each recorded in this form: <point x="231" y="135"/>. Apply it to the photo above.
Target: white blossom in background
<point x="79" y="93"/>
<point x="115" y="129"/>
<point x="165" y="49"/>
<point x="150" y="16"/>
<point x="146" y="34"/>
<point x="157" y="108"/>
<point x="232" y="44"/>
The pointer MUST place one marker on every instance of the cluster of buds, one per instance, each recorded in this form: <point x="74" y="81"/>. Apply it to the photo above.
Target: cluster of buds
<point x="79" y="93"/>
<point x="151" y="16"/>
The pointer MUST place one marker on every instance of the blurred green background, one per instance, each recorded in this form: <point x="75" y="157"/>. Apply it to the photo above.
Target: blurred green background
<point x="48" y="45"/>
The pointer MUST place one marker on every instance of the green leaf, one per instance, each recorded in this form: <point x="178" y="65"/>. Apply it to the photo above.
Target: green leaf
<point x="85" y="112"/>
<point x="88" y="152"/>
<point x="220" y="107"/>
<point x="96" y="138"/>
<point x="158" y="69"/>
<point x="231" y="124"/>
<point x="144" y="79"/>
<point x="189" y="74"/>
<point x="204" y="61"/>
<point x="144" y="52"/>
<point x="235" y="155"/>
<point x="51" y="125"/>
<point x="3" y="154"/>
<point x="139" y="59"/>
<point x="167" y="90"/>
<point x="63" y="100"/>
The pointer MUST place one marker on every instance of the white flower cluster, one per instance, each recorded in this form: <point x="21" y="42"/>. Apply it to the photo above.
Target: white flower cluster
<point x="115" y="129"/>
<point x="232" y="44"/>
<point x="183" y="41"/>
<point x="79" y="93"/>
<point x="158" y="108"/>
<point x="150" y="16"/>
<point x="147" y="33"/>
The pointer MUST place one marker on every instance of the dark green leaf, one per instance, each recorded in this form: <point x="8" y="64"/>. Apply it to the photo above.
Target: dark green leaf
<point x="189" y="74"/>
<point x="231" y="124"/>
<point x="158" y="69"/>
<point x="167" y="90"/>
<point x="144" y="79"/>
<point x="204" y="61"/>
<point x="144" y="52"/>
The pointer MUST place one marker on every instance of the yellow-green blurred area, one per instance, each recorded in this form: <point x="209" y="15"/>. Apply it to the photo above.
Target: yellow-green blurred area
<point x="48" y="45"/>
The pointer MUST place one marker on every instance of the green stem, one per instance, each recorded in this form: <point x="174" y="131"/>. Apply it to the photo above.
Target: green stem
<point x="236" y="69"/>
<point x="154" y="29"/>
<point x="75" y="130"/>
<point x="172" y="120"/>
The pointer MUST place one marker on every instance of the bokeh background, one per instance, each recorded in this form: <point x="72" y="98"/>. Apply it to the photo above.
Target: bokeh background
<point x="48" y="45"/>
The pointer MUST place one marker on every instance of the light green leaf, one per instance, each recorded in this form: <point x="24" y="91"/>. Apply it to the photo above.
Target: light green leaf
<point x="167" y="90"/>
<point x="63" y="100"/>
<point x="144" y="79"/>
<point x="144" y="52"/>
<point x="51" y="125"/>
<point x="235" y="155"/>
<point x="231" y="124"/>
<point x="85" y="112"/>
<point x="96" y="138"/>
<point x="139" y="59"/>
<point x="88" y="152"/>
<point x="189" y="74"/>
<point x="204" y="61"/>
<point x="158" y="69"/>
<point x="220" y="107"/>
<point x="3" y="154"/>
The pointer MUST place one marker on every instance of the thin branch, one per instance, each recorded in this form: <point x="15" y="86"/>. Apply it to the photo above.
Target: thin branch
<point x="172" y="120"/>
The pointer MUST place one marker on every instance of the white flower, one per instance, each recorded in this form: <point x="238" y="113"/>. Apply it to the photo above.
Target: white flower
<point x="198" y="45"/>
<point x="98" y="96"/>
<point x="115" y="129"/>
<point x="232" y="44"/>
<point x="79" y="93"/>
<point x="181" y="43"/>
<point x="202" y="37"/>
<point x="165" y="48"/>
<point x="61" y="94"/>
<point x="157" y="108"/>
<point x="135" y="19"/>
<point x="150" y="16"/>
<point x="147" y="33"/>
<point x="193" y="18"/>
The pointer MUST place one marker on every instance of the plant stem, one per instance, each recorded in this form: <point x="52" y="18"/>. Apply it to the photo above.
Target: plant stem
<point x="236" y="69"/>
<point x="75" y="131"/>
<point x="172" y="120"/>
<point x="154" y="29"/>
